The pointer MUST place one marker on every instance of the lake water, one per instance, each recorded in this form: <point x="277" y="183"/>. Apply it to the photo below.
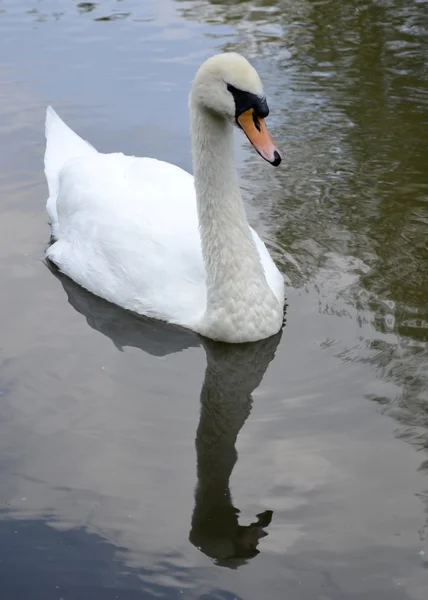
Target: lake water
<point x="140" y="462"/>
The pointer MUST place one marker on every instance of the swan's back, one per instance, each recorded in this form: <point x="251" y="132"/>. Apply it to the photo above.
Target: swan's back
<point x="126" y="228"/>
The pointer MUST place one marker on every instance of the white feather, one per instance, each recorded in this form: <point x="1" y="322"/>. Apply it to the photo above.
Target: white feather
<point x="127" y="229"/>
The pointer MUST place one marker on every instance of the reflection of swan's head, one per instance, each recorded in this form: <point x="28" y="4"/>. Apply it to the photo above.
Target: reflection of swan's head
<point x="227" y="85"/>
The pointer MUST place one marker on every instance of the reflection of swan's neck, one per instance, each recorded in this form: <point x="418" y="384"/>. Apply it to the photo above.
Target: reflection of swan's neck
<point x="222" y="417"/>
<point x="236" y="284"/>
<point x="233" y="372"/>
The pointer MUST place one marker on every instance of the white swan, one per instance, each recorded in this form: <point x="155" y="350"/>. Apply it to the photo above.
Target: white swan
<point x="146" y="235"/>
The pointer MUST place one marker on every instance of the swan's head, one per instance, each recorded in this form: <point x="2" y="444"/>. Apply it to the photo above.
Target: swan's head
<point x="229" y="86"/>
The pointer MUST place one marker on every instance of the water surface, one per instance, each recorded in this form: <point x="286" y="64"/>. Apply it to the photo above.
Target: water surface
<point x="139" y="461"/>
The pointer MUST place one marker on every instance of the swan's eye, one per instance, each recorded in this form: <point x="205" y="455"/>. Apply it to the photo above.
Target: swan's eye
<point x="246" y="100"/>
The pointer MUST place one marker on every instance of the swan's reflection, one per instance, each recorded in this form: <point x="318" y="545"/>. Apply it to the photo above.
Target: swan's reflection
<point x="233" y="372"/>
<point x="123" y="327"/>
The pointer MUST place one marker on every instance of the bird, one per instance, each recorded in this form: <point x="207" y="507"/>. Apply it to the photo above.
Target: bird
<point x="151" y="238"/>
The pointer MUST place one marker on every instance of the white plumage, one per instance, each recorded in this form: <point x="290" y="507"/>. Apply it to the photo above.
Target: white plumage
<point x="130" y="229"/>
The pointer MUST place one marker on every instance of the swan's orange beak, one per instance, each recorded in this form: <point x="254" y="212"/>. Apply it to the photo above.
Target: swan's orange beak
<point x="258" y="134"/>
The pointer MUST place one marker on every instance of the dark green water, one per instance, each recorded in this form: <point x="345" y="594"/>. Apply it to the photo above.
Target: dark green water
<point x="127" y="448"/>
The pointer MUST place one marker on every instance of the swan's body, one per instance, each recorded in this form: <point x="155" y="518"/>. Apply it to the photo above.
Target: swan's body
<point x="133" y="231"/>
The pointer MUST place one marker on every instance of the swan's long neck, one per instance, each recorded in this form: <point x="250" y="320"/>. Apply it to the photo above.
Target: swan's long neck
<point x="236" y="281"/>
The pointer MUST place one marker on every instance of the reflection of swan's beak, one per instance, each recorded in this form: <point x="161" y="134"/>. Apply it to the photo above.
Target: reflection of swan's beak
<point x="258" y="134"/>
<point x="246" y="541"/>
<point x="248" y="536"/>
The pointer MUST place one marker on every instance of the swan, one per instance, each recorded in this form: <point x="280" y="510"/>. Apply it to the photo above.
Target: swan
<point x="147" y="236"/>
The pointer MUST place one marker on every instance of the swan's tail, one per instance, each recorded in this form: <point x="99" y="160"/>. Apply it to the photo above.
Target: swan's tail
<point x="62" y="144"/>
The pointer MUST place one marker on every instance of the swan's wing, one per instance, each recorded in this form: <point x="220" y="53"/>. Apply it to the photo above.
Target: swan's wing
<point x="127" y="231"/>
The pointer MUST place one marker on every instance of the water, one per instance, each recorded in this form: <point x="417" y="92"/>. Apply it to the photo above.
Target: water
<point x="127" y="448"/>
